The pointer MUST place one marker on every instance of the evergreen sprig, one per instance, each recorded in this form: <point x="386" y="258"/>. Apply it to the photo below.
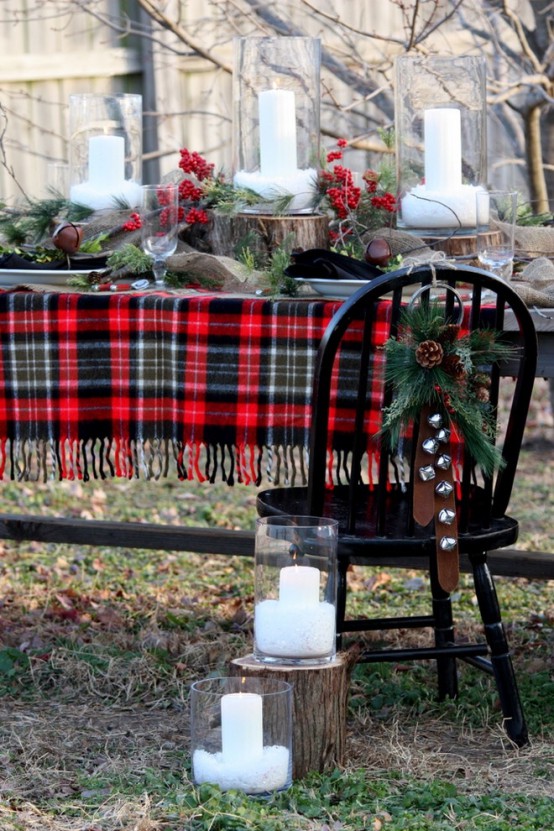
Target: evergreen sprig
<point x="32" y="221"/>
<point x="454" y="383"/>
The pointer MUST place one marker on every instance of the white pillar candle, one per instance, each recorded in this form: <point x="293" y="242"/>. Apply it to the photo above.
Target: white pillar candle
<point x="106" y="161"/>
<point x="443" y="149"/>
<point x="241" y="727"/>
<point x="277" y="125"/>
<point x="299" y="585"/>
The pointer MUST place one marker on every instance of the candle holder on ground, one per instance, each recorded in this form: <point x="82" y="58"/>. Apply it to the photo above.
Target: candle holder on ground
<point x="440" y="123"/>
<point x="295" y="590"/>
<point x="241" y="733"/>
<point x="105" y="150"/>
<point x="276" y="100"/>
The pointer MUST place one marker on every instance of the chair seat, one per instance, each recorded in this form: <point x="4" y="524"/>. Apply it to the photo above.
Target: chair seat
<point x="499" y="533"/>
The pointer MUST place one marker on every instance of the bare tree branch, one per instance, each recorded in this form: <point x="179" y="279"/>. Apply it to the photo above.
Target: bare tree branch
<point x="359" y="84"/>
<point x="153" y="9"/>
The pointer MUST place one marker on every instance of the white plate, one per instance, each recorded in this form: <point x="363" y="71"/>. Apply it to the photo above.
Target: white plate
<point x="36" y="276"/>
<point x="334" y="288"/>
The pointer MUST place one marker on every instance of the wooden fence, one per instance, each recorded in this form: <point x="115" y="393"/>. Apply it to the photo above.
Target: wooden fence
<point x="54" y="49"/>
<point x="48" y="54"/>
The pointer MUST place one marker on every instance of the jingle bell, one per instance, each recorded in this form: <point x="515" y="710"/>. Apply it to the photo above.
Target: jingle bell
<point x="446" y="516"/>
<point x="447" y="543"/>
<point x="435" y="420"/>
<point x="443" y="461"/>
<point x="443" y="435"/>
<point x="430" y="446"/>
<point x="444" y="489"/>
<point x="427" y="473"/>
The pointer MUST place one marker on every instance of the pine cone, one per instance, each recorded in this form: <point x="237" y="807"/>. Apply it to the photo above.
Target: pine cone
<point x="482" y="380"/>
<point x="449" y="332"/>
<point x="482" y="394"/>
<point x="453" y="366"/>
<point x="429" y="353"/>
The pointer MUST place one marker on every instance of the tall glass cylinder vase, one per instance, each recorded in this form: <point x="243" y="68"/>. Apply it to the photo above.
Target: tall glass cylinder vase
<point x="276" y="109"/>
<point x="105" y="150"/>
<point x="295" y="590"/>
<point x="441" y="143"/>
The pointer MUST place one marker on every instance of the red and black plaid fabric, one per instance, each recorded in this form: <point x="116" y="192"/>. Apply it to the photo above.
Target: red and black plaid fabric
<point x="142" y="385"/>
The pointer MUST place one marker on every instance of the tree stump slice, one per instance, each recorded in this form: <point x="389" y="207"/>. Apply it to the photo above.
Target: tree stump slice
<point x="319" y="707"/>
<point x="462" y="245"/>
<point x="264" y="233"/>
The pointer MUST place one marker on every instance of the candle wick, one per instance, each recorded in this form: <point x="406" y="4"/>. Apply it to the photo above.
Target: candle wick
<point x="295" y="552"/>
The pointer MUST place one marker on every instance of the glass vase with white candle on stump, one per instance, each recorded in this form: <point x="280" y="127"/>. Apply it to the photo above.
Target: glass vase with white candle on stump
<point x="295" y="590"/>
<point x="105" y="150"/>
<point x="441" y="148"/>
<point x="241" y="733"/>
<point x="276" y="109"/>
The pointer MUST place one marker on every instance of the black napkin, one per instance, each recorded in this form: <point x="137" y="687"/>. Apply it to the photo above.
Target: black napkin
<point x="15" y="261"/>
<point x="81" y="262"/>
<point x="318" y="263"/>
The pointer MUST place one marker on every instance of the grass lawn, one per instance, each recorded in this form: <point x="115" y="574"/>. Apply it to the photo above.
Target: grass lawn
<point x="98" y="648"/>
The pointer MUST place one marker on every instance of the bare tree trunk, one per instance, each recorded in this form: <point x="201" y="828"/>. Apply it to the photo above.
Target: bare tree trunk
<point x="533" y="153"/>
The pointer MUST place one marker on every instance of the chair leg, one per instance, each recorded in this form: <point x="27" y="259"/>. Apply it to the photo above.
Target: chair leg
<point x="510" y="702"/>
<point x="341" y="598"/>
<point x="444" y="635"/>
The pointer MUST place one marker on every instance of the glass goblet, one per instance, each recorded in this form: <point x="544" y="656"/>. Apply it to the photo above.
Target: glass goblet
<point x="496" y="213"/>
<point x="159" y="224"/>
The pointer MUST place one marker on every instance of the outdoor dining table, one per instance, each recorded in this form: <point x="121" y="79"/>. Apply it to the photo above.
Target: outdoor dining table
<point x="194" y="386"/>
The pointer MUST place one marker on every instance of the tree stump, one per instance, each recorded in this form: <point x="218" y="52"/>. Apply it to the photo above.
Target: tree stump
<point x="460" y="245"/>
<point x="320" y="701"/>
<point x="264" y="233"/>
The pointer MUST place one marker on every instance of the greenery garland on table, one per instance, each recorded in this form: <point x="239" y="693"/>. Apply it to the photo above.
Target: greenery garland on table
<point x="432" y="364"/>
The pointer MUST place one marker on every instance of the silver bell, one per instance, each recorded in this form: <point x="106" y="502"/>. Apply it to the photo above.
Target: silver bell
<point x="444" y="461"/>
<point x="444" y="489"/>
<point x="435" y="420"/>
<point x="427" y="473"/>
<point x="447" y="543"/>
<point x="430" y="446"/>
<point x="443" y="435"/>
<point x="446" y="516"/>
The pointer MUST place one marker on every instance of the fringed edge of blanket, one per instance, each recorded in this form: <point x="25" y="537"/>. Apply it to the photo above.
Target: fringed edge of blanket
<point x="34" y="460"/>
<point x="28" y="460"/>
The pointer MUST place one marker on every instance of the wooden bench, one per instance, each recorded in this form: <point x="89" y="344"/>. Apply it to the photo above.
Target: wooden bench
<point x="509" y="562"/>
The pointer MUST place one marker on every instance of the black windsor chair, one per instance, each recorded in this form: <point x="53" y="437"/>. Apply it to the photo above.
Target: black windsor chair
<point x="376" y="519"/>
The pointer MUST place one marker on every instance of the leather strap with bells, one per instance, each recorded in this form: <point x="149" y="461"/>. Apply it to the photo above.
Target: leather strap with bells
<point x="434" y="494"/>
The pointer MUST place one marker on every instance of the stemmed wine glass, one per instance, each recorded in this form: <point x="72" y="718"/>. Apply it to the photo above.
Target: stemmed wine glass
<point x="159" y="223"/>
<point x="496" y="213"/>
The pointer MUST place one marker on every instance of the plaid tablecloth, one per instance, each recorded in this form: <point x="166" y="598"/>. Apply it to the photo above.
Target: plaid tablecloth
<point x="149" y="385"/>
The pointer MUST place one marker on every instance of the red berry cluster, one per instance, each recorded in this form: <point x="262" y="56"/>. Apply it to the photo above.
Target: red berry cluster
<point x="196" y="164"/>
<point x="133" y="223"/>
<point x="371" y="179"/>
<point x="340" y="190"/>
<point x="167" y="215"/>
<point x="164" y="195"/>
<point x="386" y="202"/>
<point x="189" y="192"/>
<point x="353" y="207"/>
<point x="196" y="215"/>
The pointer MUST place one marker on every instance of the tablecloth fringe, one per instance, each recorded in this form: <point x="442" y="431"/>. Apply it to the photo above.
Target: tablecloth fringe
<point x="29" y="460"/>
